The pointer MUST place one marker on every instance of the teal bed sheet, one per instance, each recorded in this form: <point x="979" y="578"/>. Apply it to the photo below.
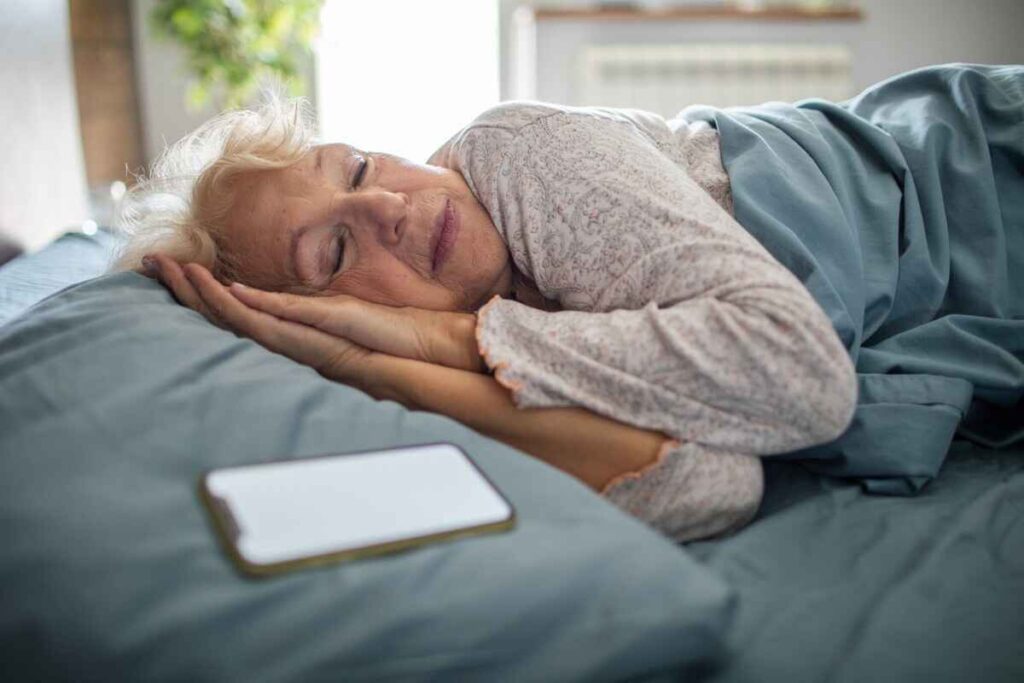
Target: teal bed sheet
<point x="902" y="212"/>
<point x="840" y="585"/>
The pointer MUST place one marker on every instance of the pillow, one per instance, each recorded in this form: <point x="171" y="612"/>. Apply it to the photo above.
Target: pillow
<point x="113" y="401"/>
<point x="71" y="258"/>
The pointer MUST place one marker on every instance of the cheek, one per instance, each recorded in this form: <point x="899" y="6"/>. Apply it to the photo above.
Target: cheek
<point x="487" y="252"/>
<point x="259" y="259"/>
<point x="255" y="269"/>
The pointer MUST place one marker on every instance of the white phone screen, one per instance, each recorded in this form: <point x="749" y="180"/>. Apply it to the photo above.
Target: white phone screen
<point x="290" y="510"/>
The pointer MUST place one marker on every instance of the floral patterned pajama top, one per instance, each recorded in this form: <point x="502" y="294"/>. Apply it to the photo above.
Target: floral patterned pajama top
<point x="663" y="312"/>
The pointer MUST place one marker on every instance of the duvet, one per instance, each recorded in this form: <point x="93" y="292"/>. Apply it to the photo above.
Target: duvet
<point x="902" y="212"/>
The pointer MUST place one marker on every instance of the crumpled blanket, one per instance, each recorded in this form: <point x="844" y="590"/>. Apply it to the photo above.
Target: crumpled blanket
<point x="902" y="212"/>
<point x="668" y="315"/>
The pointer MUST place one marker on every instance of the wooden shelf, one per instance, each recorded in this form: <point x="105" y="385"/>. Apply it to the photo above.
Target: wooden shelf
<point x="698" y="13"/>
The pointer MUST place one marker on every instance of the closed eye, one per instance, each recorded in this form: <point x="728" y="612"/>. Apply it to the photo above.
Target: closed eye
<point x="360" y="172"/>
<point x="340" y="240"/>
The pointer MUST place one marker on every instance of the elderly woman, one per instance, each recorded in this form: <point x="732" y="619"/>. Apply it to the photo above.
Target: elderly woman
<point x="571" y="281"/>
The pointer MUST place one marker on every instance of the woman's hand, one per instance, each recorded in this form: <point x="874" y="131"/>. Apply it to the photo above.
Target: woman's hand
<point x="332" y="356"/>
<point x="440" y="337"/>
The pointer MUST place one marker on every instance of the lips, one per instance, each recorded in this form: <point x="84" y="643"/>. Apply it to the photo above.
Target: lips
<point x="446" y="228"/>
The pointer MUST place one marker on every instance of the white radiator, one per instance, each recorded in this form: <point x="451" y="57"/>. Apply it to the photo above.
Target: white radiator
<point x="666" y="78"/>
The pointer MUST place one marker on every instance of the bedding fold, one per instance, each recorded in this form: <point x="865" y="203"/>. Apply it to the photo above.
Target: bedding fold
<point x="902" y="212"/>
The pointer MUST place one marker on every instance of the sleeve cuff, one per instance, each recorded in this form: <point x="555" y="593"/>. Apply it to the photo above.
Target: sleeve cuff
<point x="511" y="337"/>
<point x="666" y="447"/>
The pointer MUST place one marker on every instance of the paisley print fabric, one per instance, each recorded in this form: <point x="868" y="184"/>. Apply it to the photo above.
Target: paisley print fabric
<point x="669" y="315"/>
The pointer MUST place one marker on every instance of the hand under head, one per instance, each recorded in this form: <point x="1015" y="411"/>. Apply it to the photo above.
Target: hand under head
<point x="346" y="221"/>
<point x="251" y="197"/>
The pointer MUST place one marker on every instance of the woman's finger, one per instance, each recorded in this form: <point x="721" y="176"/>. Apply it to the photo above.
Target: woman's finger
<point x="331" y="355"/>
<point x="327" y="314"/>
<point x="440" y="337"/>
<point x="171" y="275"/>
<point x="405" y="332"/>
<point x="238" y="317"/>
<point x="381" y="328"/>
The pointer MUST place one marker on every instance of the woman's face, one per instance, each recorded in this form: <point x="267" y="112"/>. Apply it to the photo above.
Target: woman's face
<point x="344" y="221"/>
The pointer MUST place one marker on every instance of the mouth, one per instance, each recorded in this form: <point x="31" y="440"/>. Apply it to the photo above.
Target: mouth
<point x="446" y="229"/>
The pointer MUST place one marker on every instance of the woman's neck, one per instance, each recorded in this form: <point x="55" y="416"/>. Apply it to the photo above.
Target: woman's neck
<point x="525" y="292"/>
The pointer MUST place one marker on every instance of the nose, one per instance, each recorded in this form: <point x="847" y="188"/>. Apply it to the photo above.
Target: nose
<point x="381" y="214"/>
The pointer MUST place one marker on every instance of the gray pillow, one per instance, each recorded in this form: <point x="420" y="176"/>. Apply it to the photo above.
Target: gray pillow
<point x="113" y="401"/>
<point x="72" y="258"/>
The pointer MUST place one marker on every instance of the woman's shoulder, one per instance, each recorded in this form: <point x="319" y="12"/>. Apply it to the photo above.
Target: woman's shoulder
<point x="546" y="124"/>
<point x="500" y="122"/>
<point x="516" y="115"/>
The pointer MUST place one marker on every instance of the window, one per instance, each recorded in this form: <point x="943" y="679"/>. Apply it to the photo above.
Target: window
<point x="402" y="76"/>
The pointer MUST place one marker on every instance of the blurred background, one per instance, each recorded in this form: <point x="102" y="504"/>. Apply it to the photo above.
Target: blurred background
<point x="92" y="90"/>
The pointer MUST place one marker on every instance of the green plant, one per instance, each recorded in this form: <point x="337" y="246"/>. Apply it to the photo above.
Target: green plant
<point x="232" y="45"/>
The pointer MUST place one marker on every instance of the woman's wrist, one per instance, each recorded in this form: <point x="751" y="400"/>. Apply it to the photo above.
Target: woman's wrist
<point x="452" y="342"/>
<point x="463" y="333"/>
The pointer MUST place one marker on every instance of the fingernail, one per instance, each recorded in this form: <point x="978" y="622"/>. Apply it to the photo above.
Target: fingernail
<point x="238" y="285"/>
<point x="150" y="264"/>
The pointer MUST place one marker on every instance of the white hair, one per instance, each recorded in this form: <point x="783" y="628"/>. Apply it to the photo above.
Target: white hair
<point x="180" y="208"/>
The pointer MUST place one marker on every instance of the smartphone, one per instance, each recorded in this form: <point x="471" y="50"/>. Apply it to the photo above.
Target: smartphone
<point x="277" y="516"/>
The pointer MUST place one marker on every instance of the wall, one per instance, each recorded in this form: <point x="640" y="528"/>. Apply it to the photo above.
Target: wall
<point x="899" y="35"/>
<point x="162" y="82"/>
<point x="101" y="43"/>
<point x="43" y="178"/>
<point x="895" y="36"/>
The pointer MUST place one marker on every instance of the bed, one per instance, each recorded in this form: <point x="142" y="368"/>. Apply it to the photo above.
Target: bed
<point x="110" y="570"/>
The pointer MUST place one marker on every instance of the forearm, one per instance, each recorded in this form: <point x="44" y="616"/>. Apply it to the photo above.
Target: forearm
<point x="748" y="374"/>
<point x="592" y="448"/>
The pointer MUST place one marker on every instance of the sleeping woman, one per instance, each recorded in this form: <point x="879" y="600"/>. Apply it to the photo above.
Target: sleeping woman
<point x="571" y="281"/>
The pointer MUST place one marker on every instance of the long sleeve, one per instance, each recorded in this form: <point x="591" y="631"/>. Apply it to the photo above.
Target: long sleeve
<point x="675" y="318"/>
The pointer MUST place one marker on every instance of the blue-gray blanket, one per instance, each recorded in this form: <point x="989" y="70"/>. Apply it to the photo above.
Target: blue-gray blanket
<point x="902" y="212"/>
